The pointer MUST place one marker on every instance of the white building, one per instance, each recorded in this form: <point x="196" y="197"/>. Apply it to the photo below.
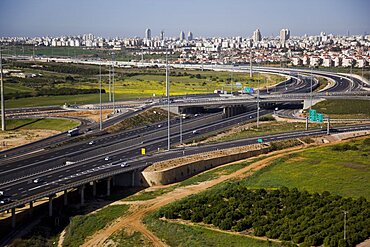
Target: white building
<point x="148" y="34"/>
<point x="257" y="36"/>
<point x="182" y="36"/>
<point x="284" y="35"/>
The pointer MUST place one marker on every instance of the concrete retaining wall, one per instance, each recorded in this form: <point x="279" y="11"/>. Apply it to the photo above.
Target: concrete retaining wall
<point x="181" y="172"/>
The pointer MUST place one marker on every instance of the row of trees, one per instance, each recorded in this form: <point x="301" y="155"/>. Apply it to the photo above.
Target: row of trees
<point x="288" y="215"/>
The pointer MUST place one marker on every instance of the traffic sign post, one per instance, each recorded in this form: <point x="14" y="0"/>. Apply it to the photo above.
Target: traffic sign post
<point x="316" y="117"/>
<point x="248" y="90"/>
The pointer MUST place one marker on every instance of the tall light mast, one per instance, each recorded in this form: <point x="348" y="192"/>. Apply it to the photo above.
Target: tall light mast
<point x="168" y="104"/>
<point x="250" y="63"/>
<point x="3" y="126"/>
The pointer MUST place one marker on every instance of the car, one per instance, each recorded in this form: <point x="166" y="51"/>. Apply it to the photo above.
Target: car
<point x="107" y="158"/>
<point x="159" y="125"/>
<point x="1" y="193"/>
<point x="195" y="131"/>
<point x="37" y="180"/>
<point x="5" y="200"/>
<point x="125" y="164"/>
<point x="91" y="142"/>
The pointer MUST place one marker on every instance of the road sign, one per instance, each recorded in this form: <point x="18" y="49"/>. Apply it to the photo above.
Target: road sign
<point x="143" y="151"/>
<point x="316" y="117"/>
<point x="320" y="117"/>
<point x="259" y="140"/>
<point x="248" y="90"/>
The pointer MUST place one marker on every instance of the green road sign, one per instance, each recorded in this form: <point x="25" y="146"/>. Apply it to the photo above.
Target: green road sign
<point x="313" y="115"/>
<point x="320" y="117"/>
<point x="316" y="117"/>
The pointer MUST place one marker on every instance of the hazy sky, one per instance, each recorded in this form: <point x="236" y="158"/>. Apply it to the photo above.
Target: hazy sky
<point x="128" y="18"/>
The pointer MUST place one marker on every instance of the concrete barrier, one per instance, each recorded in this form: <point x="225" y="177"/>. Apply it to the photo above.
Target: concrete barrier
<point x="185" y="170"/>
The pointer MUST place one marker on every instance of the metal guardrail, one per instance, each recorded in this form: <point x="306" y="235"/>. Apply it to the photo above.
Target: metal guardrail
<point x="65" y="187"/>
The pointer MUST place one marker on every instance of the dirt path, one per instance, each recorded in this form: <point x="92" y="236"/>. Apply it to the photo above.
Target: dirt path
<point x="137" y="212"/>
<point x="61" y="238"/>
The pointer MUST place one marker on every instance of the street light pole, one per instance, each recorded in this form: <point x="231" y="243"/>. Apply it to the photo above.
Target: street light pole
<point x="101" y="114"/>
<point x="345" y="224"/>
<point x="3" y="126"/>
<point x="168" y="105"/>
<point x="311" y="90"/>
<point x="180" y="129"/>
<point x="113" y="86"/>
<point x="258" y="104"/>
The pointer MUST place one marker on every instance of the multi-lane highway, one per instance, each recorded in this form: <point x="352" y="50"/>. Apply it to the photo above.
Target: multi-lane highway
<point x="32" y="172"/>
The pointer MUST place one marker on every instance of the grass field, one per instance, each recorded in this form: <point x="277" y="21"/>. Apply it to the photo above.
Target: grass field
<point x="340" y="108"/>
<point x="323" y="82"/>
<point x="41" y="123"/>
<point x="130" y="83"/>
<point x="271" y="127"/>
<point x="183" y="235"/>
<point x="83" y="226"/>
<point x="333" y="169"/>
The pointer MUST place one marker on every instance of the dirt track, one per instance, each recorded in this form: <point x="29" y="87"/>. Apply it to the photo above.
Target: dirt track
<point x="137" y="211"/>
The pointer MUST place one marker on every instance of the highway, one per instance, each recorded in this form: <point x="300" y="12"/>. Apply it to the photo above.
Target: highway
<point x="76" y="174"/>
<point x="87" y="162"/>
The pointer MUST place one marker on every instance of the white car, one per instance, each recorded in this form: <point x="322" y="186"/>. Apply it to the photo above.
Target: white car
<point x="37" y="180"/>
<point x="124" y="164"/>
<point x="91" y="142"/>
<point x="107" y="158"/>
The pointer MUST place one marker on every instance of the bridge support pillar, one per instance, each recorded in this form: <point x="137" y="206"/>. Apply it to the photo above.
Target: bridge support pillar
<point x="50" y="206"/>
<point x="82" y="190"/>
<point x="65" y="198"/>
<point x="133" y="179"/>
<point x="108" y="186"/>
<point x="94" y="189"/>
<point x="31" y="207"/>
<point x="13" y="217"/>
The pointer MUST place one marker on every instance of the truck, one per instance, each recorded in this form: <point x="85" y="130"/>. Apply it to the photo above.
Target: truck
<point x="73" y="132"/>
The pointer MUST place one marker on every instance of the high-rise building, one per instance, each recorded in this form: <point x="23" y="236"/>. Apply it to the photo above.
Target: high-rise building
<point x="161" y="36"/>
<point x="148" y="34"/>
<point x="190" y="36"/>
<point x="182" y="36"/>
<point x="257" y="36"/>
<point x="284" y="35"/>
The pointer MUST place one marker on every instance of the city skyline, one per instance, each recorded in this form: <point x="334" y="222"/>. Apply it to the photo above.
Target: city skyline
<point x="204" y="18"/>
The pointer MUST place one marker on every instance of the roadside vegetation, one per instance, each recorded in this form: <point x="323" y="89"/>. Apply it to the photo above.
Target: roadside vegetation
<point x="346" y="108"/>
<point x="125" y="238"/>
<point x="40" y="123"/>
<point x="150" y="116"/>
<point x="267" y="126"/>
<point x="323" y="82"/>
<point x="82" y="226"/>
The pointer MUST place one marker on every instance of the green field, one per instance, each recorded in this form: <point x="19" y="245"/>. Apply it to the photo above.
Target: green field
<point x="344" y="108"/>
<point x="267" y="128"/>
<point x="346" y="173"/>
<point x="130" y="83"/>
<point x="82" y="226"/>
<point x="41" y="123"/>
<point x="176" y="234"/>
